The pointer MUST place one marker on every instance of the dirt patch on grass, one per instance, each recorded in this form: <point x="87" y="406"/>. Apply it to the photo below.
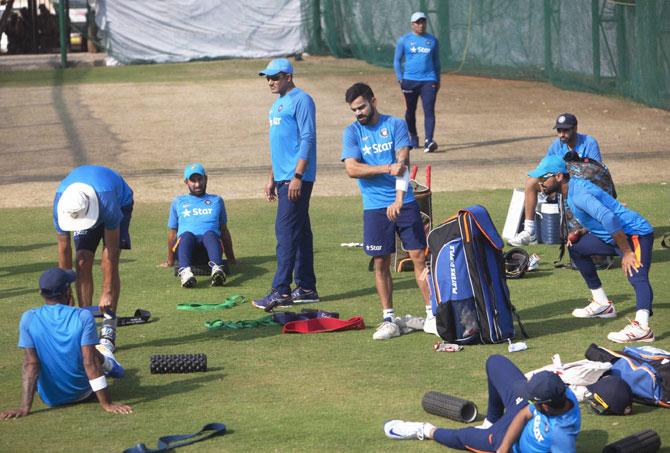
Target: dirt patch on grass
<point x="490" y="132"/>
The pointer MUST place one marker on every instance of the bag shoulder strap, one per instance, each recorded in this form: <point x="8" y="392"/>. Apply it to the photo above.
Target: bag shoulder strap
<point x="168" y="443"/>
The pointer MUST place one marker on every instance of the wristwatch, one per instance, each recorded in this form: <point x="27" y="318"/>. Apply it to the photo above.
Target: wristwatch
<point x="298" y="176"/>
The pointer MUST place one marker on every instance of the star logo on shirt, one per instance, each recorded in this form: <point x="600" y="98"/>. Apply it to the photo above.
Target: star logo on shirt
<point x="186" y="213"/>
<point x="366" y="149"/>
<point x="412" y="49"/>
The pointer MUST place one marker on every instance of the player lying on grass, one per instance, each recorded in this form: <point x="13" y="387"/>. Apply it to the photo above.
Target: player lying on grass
<point x="60" y="359"/>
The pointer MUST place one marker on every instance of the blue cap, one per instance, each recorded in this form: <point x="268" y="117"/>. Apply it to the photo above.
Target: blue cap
<point x="611" y="395"/>
<point x="55" y="281"/>
<point x="192" y="169"/>
<point x="543" y="387"/>
<point x="550" y="165"/>
<point x="276" y="66"/>
<point x="565" y="121"/>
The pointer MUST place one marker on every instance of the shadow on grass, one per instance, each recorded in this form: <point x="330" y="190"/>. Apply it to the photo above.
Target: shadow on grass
<point x="593" y="437"/>
<point x="660" y="256"/>
<point x="41" y="267"/>
<point x="561" y="307"/>
<point x="408" y="283"/>
<point x="25" y="248"/>
<point x="136" y="392"/>
<point x="248" y="269"/>
<point x="13" y="292"/>
<point x="209" y="335"/>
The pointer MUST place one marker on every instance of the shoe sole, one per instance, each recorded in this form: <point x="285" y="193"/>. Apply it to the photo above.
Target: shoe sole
<point x="641" y="340"/>
<point x="305" y="301"/>
<point x="432" y="148"/>
<point x="520" y="244"/>
<point x="190" y="283"/>
<point x="604" y="315"/>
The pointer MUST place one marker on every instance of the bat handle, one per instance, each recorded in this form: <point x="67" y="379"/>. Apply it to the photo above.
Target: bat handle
<point x="412" y="174"/>
<point x="428" y="176"/>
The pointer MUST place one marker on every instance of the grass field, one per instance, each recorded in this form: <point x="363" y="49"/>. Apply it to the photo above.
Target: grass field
<point x="326" y="392"/>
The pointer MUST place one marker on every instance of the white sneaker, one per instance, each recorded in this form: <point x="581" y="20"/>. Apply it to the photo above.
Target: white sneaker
<point x="386" y="331"/>
<point x="430" y="325"/>
<point x="401" y="430"/>
<point x="218" y="276"/>
<point x="523" y="238"/>
<point x="187" y="278"/>
<point x="595" y="310"/>
<point x="632" y="333"/>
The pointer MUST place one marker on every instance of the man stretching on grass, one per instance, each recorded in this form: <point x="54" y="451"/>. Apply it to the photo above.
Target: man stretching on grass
<point x="540" y="415"/>
<point x="375" y="150"/>
<point x="60" y="355"/>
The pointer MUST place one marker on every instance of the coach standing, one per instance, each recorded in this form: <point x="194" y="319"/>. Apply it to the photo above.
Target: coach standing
<point x="95" y="203"/>
<point x="417" y="68"/>
<point x="293" y="153"/>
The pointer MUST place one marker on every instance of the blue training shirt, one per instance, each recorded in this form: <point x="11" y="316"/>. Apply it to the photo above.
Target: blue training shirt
<point x="57" y="333"/>
<point x="112" y="190"/>
<point x="585" y="146"/>
<point x="417" y="57"/>
<point x="551" y="434"/>
<point x="293" y="135"/>
<point x="197" y="215"/>
<point x="377" y="145"/>
<point x="601" y="214"/>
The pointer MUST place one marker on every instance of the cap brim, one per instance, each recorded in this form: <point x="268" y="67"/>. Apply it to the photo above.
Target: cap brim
<point x="269" y="72"/>
<point x="66" y="222"/>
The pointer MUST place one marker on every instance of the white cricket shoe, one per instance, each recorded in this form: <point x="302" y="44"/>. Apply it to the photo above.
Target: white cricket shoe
<point x="632" y="333"/>
<point x="401" y="430"/>
<point x="218" y="276"/>
<point x="595" y="310"/>
<point x="187" y="278"/>
<point x="386" y="331"/>
<point x="523" y="238"/>
<point x="430" y="325"/>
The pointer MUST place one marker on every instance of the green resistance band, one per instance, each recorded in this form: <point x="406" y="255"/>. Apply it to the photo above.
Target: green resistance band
<point x="230" y="302"/>
<point x="243" y="324"/>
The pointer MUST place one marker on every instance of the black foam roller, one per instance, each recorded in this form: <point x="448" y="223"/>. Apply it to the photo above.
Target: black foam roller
<point x="643" y="442"/>
<point x="449" y="406"/>
<point x="178" y="363"/>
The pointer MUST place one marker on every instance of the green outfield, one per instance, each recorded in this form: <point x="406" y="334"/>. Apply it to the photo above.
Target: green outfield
<point x="324" y="392"/>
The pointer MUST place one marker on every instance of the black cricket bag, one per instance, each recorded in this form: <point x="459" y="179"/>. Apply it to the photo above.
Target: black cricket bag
<point x="591" y="170"/>
<point x="466" y="277"/>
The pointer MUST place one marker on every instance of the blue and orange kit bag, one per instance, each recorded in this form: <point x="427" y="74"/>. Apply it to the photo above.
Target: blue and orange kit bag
<point x="468" y="289"/>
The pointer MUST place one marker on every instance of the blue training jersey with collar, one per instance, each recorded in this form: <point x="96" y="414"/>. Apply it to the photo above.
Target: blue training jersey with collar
<point x="112" y="190"/>
<point x="601" y="214"/>
<point x="585" y="146"/>
<point x="57" y="333"/>
<point x="543" y="433"/>
<point x="377" y="145"/>
<point x="293" y="135"/>
<point x="197" y="215"/>
<point x="417" y="57"/>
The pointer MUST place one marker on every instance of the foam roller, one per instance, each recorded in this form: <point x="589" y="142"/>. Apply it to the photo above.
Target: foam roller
<point x="178" y="363"/>
<point x="449" y="406"/>
<point x="643" y="442"/>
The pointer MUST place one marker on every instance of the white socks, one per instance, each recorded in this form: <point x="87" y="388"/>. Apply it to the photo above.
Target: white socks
<point x="429" y="312"/>
<point x="642" y="318"/>
<point x="388" y="314"/>
<point x="599" y="296"/>
<point x="529" y="225"/>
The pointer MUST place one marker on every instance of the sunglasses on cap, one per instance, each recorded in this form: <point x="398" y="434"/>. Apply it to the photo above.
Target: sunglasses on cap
<point x="598" y="405"/>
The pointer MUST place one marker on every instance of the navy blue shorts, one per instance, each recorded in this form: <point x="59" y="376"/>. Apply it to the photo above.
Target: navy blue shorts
<point x="379" y="232"/>
<point x="90" y="239"/>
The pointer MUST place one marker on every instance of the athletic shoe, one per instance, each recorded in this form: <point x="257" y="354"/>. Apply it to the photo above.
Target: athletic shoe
<point x="430" y="325"/>
<point x="218" y="276"/>
<point x="401" y="430"/>
<point x="595" y="310"/>
<point x="386" y="331"/>
<point x="273" y="300"/>
<point x="187" y="278"/>
<point x="304" y="296"/>
<point x="110" y="366"/>
<point x="430" y="147"/>
<point x="414" y="141"/>
<point x="108" y="337"/>
<point x="523" y="238"/>
<point x="632" y="333"/>
<point x="109" y="345"/>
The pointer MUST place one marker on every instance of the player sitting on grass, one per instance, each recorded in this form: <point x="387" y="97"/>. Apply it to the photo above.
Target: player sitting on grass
<point x="198" y="220"/>
<point x="568" y="140"/>
<point x="540" y="415"/>
<point x="60" y="354"/>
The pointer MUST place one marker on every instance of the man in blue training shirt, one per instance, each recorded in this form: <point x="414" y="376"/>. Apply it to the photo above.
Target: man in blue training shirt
<point x="612" y="229"/>
<point x="539" y="415"/>
<point x="95" y="203"/>
<point x="375" y="150"/>
<point x="568" y="140"/>
<point x="292" y="122"/>
<point x="417" y="67"/>
<point x="198" y="222"/>
<point x="60" y="357"/>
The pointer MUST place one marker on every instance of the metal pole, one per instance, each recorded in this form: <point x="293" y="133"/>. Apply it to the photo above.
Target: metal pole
<point x="61" y="26"/>
<point x="548" y="65"/>
<point x="595" y="39"/>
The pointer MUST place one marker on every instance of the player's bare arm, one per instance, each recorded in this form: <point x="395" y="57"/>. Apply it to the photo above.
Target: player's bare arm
<point x="93" y="368"/>
<point x="357" y="169"/>
<point x="31" y="370"/>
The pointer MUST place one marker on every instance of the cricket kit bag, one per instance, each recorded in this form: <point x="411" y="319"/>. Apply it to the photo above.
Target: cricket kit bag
<point x="466" y="277"/>
<point x="583" y="168"/>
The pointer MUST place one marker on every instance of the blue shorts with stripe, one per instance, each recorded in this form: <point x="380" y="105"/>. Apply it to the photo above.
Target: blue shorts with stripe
<point x="379" y="232"/>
